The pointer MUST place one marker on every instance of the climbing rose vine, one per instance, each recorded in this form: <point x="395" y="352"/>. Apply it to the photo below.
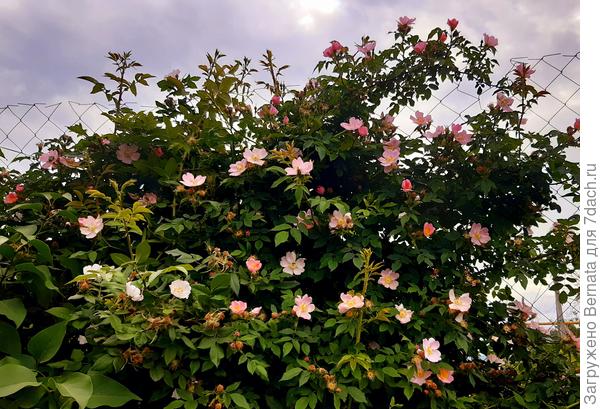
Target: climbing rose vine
<point x="301" y="253"/>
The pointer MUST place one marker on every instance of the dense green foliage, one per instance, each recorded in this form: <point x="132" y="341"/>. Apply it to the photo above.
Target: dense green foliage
<point x="154" y="321"/>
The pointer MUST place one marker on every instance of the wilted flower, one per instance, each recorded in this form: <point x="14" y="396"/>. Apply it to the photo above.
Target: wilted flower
<point x="133" y="292"/>
<point x="523" y="70"/>
<point x="174" y="74"/>
<point x="503" y="102"/>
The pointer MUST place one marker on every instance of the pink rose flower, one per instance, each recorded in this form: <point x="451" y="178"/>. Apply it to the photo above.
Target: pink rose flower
<point x="238" y="307"/>
<point x="445" y="375"/>
<point x="442" y="37"/>
<point x="320" y="190"/>
<point x="490" y="41"/>
<point x="479" y="235"/>
<point x="255" y="156"/>
<point x="50" y="159"/>
<point x="353" y="124"/>
<point x="389" y="160"/>
<point x="237" y="168"/>
<point x="452" y="23"/>
<point x="149" y="199"/>
<point x="189" y="180"/>
<point x="430" y="349"/>
<point x="503" y="102"/>
<point x="255" y="311"/>
<point x="127" y="153"/>
<point x="367" y="48"/>
<point x="428" y="230"/>
<point x="420" y="120"/>
<point x="437" y="132"/>
<point x="291" y="264"/>
<point x="392" y="145"/>
<point x="405" y="23"/>
<point x="407" y="185"/>
<point x="389" y="279"/>
<point x="20" y="188"/>
<point x="463" y="137"/>
<point x="420" y="376"/>
<point x="105" y="141"/>
<point x="11" y="197"/>
<point x="253" y="264"/>
<point x="349" y="302"/>
<point x="275" y="100"/>
<point x="286" y="120"/>
<point x="576" y="124"/>
<point x="303" y="307"/>
<point x="333" y="49"/>
<point x="90" y="226"/>
<point x="299" y="167"/>
<point x="363" y="131"/>
<point x="404" y="315"/>
<point x="339" y="221"/>
<point x="420" y="47"/>
<point x="523" y="71"/>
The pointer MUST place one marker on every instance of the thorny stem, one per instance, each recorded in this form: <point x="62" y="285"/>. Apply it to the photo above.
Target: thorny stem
<point x="368" y="269"/>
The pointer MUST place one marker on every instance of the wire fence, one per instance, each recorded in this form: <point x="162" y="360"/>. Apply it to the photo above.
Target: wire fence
<point x="24" y="126"/>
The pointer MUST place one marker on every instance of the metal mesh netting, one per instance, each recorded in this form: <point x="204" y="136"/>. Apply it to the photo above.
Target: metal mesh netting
<point x="24" y="126"/>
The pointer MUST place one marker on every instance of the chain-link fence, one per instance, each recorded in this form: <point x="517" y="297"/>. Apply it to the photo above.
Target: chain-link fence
<point x="23" y="126"/>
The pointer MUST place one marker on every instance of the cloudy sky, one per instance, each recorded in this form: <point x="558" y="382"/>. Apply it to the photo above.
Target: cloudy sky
<point x="45" y="45"/>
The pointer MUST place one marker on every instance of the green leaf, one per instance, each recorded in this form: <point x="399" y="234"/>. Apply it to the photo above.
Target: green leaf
<point x="357" y="394"/>
<point x="281" y="237"/>
<point x="44" y="255"/>
<point x="239" y="400"/>
<point x="302" y="403"/>
<point x="14" y="310"/>
<point x="15" y="377"/>
<point x="10" y="343"/>
<point x="216" y="354"/>
<point x="108" y="392"/>
<point x="119" y="259"/>
<point x="46" y="343"/>
<point x="142" y="252"/>
<point x="235" y="283"/>
<point x="290" y="374"/>
<point x="27" y="231"/>
<point x="75" y="385"/>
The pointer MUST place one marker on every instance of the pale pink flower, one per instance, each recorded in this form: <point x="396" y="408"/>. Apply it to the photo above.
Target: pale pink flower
<point x="255" y="311"/>
<point x="128" y="153"/>
<point x="404" y="315"/>
<point x="353" y="124"/>
<point x="349" y="302"/>
<point x="523" y="70"/>
<point x="105" y="141"/>
<point x="133" y="292"/>
<point x="333" y="49"/>
<point x="392" y="144"/>
<point x="420" y="376"/>
<point x="455" y="128"/>
<point x="303" y="307"/>
<point x="526" y="310"/>
<point x="420" y="119"/>
<point x="389" y="160"/>
<point x="537" y="327"/>
<point x="389" y="279"/>
<point x="291" y="264"/>
<point x="489" y="40"/>
<point x="503" y="102"/>
<point x="20" y="188"/>
<point x="420" y="47"/>
<point x="523" y="121"/>
<point x="189" y="180"/>
<point x="452" y="23"/>
<point x="428" y="230"/>
<point x="149" y="199"/>
<point x="237" y="168"/>
<point x="430" y="349"/>
<point x="367" y="47"/>
<point x="407" y="185"/>
<point x="445" y="375"/>
<point x="338" y="221"/>
<point x="460" y="304"/>
<point x="479" y="235"/>
<point x="50" y="159"/>
<point x="238" y="307"/>
<point x="493" y="359"/>
<point x="463" y="137"/>
<point x="255" y="156"/>
<point x="405" y="22"/>
<point x="180" y="289"/>
<point x="11" y="197"/>
<point x="90" y="226"/>
<point x="272" y="110"/>
<point x="253" y="264"/>
<point x="434" y="134"/>
<point x="299" y="167"/>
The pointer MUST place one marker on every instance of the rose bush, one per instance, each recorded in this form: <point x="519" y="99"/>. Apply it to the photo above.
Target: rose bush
<point x="299" y="254"/>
